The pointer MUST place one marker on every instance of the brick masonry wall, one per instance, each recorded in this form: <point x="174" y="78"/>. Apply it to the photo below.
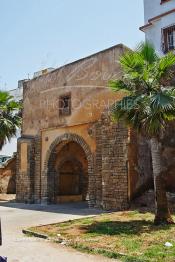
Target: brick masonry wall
<point x="111" y="164"/>
<point x="37" y="173"/>
<point x="8" y="176"/>
<point x="107" y="169"/>
<point x="118" y="166"/>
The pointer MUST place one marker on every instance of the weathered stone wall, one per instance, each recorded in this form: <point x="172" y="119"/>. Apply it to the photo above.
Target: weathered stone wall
<point x="168" y="157"/>
<point x="104" y="143"/>
<point x="140" y="165"/>
<point x="141" y="177"/>
<point x="8" y="177"/>
<point x="37" y="172"/>
<point x="107" y="168"/>
<point x="87" y="81"/>
<point x="25" y="170"/>
<point x="120" y="169"/>
<point x="146" y="202"/>
<point x="28" y="182"/>
<point x="111" y="164"/>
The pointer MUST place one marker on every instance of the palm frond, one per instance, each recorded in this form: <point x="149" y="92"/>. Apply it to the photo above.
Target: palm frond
<point x="10" y="120"/>
<point x="163" y="101"/>
<point x="149" y="104"/>
<point x="165" y="64"/>
<point x="132" y="62"/>
<point x="147" y="51"/>
<point x="119" y="85"/>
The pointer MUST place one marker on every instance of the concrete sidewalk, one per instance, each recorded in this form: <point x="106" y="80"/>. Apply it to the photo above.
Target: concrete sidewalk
<point x="19" y="248"/>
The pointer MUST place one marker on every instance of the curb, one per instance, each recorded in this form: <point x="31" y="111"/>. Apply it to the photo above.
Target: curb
<point x="42" y="236"/>
<point x="35" y="234"/>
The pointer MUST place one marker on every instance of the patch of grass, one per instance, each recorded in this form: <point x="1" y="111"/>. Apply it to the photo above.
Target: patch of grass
<point x="128" y="236"/>
<point x="87" y="221"/>
<point x="132" y="244"/>
<point x="107" y="253"/>
<point x="120" y="228"/>
<point x="104" y="252"/>
<point x="160" y="253"/>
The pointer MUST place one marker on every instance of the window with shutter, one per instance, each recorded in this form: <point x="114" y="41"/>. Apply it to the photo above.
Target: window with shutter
<point x="168" y="39"/>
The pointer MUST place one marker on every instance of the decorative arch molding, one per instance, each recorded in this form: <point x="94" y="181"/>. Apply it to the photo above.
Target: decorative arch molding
<point x="49" y="172"/>
<point x="65" y="139"/>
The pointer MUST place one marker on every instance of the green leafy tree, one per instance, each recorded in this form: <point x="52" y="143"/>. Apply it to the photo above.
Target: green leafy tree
<point x="10" y="119"/>
<point x="148" y="105"/>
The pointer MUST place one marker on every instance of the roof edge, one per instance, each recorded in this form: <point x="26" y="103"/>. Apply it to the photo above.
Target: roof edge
<point x="124" y="47"/>
<point x="151" y="20"/>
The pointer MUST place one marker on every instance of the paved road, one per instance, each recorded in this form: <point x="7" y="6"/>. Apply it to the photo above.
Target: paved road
<point x="19" y="248"/>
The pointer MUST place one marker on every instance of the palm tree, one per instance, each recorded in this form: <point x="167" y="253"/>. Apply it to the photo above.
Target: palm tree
<point x="10" y="119"/>
<point x="148" y="105"/>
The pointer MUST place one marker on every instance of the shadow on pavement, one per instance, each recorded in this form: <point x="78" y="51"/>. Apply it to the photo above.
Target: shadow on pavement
<point x="78" y="208"/>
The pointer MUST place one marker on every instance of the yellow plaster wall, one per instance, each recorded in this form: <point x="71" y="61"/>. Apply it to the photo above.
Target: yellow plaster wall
<point x="48" y="137"/>
<point x="23" y="164"/>
<point x="87" y="80"/>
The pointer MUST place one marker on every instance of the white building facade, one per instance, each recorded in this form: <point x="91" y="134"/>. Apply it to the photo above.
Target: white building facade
<point x="159" y="25"/>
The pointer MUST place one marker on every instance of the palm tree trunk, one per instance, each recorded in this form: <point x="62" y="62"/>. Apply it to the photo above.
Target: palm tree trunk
<point x="162" y="213"/>
<point x="2" y="142"/>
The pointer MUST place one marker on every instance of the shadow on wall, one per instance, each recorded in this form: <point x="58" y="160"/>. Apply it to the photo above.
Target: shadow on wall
<point x="141" y="163"/>
<point x="11" y="188"/>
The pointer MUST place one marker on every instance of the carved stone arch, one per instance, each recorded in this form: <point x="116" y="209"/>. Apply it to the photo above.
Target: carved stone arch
<point x="49" y="169"/>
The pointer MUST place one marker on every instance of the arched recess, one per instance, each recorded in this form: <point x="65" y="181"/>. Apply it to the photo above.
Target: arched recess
<point x="48" y="189"/>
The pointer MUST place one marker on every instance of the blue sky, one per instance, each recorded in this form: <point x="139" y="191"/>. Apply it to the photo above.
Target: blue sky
<point x="36" y="34"/>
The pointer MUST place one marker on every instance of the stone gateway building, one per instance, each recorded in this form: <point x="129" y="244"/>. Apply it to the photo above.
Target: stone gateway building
<point x="70" y="150"/>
